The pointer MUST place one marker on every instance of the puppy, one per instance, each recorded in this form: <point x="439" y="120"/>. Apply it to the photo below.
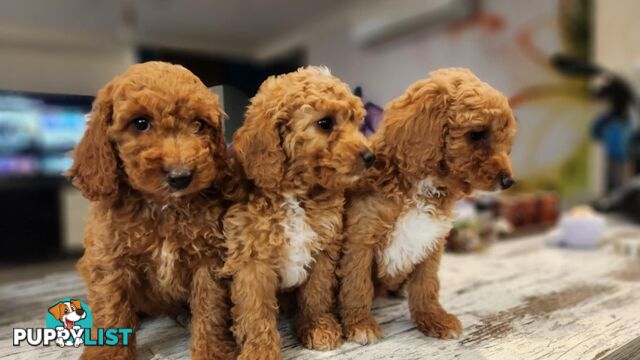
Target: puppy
<point x="445" y="137"/>
<point x="68" y="313"/>
<point x="300" y="147"/>
<point x="149" y="162"/>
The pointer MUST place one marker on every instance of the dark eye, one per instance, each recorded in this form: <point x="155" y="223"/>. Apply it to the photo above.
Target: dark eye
<point x="66" y="311"/>
<point x="141" y="124"/>
<point x="199" y="126"/>
<point x="478" y="135"/>
<point x="325" y="123"/>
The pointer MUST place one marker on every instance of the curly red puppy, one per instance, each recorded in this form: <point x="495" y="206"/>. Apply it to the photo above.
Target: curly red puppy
<point x="445" y="137"/>
<point x="301" y="148"/>
<point x="149" y="161"/>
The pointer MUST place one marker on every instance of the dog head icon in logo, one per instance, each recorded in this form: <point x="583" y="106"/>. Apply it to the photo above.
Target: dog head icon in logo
<point x="69" y="322"/>
<point x="68" y="312"/>
<point x="69" y="317"/>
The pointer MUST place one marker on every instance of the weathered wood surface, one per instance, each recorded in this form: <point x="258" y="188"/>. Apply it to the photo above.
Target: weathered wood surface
<point x="518" y="300"/>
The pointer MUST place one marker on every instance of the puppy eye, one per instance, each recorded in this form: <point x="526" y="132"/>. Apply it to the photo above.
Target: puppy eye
<point x="478" y="135"/>
<point x="325" y="123"/>
<point x="141" y="124"/>
<point x="66" y="311"/>
<point x="199" y="125"/>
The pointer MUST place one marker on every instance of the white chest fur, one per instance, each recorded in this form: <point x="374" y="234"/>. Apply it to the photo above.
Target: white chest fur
<point x="416" y="232"/>
<point x="301" y="239"/>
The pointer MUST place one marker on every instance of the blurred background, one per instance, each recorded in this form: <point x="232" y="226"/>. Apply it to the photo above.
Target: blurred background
<point x="569" y="67"/>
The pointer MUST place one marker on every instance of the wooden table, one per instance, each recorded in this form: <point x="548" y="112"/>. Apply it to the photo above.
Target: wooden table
<point x="518" y="300"/>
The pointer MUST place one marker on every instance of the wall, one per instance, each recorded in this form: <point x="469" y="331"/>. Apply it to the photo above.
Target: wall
<point x="60" y="70"/>
<point x="386" y="70"/>
<point x="617" y="35"/>
<point x="508" y="45"/>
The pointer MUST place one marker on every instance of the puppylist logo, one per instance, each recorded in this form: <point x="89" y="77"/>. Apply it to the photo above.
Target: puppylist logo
<point x="68" y="323"/>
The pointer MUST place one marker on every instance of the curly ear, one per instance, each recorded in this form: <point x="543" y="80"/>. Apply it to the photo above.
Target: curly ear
<point x="95" y="170"/>
<point x="258" y="148"/>
<point x="414" y="129"/>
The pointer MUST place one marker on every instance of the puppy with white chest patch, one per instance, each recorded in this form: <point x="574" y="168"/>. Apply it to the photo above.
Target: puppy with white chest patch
<point x="300" y="148"/>
<point x="445" y="137"/>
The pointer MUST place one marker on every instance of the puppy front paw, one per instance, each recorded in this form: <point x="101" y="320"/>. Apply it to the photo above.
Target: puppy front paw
<point x="364" y="332"/>
<point x="440" y="324"/>
<point x="323" y="333"/>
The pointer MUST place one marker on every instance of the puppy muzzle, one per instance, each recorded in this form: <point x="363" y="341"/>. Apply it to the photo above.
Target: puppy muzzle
<point x="179" y="179"/>
<point x="506" y="181"/>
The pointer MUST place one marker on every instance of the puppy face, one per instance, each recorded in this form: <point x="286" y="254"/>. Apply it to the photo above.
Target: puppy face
<point x="301" y="130"/>
<point x="479" y="139"/>
<point x="157" y="129"/>
<point x="68" y="312"/>
<point x="454" y="127"/>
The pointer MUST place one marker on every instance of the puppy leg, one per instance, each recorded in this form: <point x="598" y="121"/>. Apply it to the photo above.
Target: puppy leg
<point x="317" y="327"/>
<point x="210" y="335"/>
<point x="426" y="311"/>
<point x="109" y="300"/>
<point x="356" y="295"/>
<point x="253" y="293"/>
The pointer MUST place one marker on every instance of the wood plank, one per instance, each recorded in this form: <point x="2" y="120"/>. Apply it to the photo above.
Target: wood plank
<point x="630" y="351"/>
<point x="519" y="299"/>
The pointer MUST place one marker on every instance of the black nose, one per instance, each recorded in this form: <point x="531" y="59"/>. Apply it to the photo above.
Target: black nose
<point x="79" y="312"/>
<point x="368" y="158"/>
<point x="179" y="179"/>
<point x="506" y="181"/>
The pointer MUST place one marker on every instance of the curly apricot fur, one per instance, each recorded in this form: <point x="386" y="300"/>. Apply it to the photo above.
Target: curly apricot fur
<point x="149" y="249"/>
<point x="425" y="134"/>
<point x="285" y="154"/>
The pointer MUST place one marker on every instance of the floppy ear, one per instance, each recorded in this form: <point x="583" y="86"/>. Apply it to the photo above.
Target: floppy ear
<point x="258" y="148"/>
<point x="415" y="127"/>
<point x="57" y="310"/>
<point x="76" y="304"/>
<point x="95" y="170"/>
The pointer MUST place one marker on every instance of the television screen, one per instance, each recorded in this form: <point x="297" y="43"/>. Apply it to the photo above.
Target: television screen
<point x="38" y="130"/>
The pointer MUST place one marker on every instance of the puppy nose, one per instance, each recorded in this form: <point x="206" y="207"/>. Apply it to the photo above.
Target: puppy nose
<point x="179" y="179"/>
<point x="506" y="181"/>
<point x="79" y="312"/>
<point x="368" y="158"/>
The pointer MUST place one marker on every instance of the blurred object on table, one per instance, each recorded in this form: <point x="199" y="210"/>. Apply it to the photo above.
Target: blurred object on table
<point x="624" y="200"/>
<point x="629" y="246"/>
<point x="483" y="219"/>
<point x="579" y="228"/>
<point x="528" y="211"/>
<point x="475" y="226"/>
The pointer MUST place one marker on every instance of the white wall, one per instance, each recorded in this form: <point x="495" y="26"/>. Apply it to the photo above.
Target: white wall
<point x="54" y="70"/>
<point x="617" y="36"/>
<point x="386" y="70"/>
<point x="550" y="128"/>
